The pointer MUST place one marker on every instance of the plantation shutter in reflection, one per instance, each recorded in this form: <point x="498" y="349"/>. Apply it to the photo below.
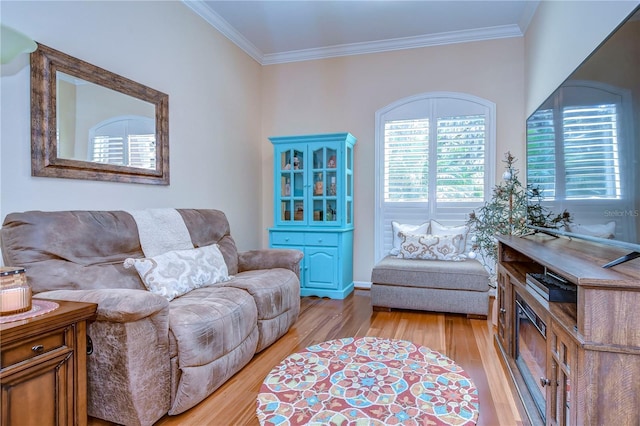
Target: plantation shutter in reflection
<point x="142" y="151"/>
<point x="541" y="152"/>
<point x="125" y="141"/>
<point x="108" y="150"/>
<point x="589" y="160"/>
<point x="591" y="153"/>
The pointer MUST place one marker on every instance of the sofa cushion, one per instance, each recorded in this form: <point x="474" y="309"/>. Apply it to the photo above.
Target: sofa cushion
<point x="465" y="275"/>
<point x="208" y="326"/>
<point x="72" y="249"/>
<point x="177" y="272"/>
<point x="276" y="293"/>
<point x="206" y="227"/>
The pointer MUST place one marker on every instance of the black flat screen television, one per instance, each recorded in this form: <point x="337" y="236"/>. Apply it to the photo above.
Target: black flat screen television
<point x="583" y="145"/>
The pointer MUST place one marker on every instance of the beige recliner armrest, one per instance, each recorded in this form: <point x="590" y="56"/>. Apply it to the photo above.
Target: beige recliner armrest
<point x="269" y="259"/>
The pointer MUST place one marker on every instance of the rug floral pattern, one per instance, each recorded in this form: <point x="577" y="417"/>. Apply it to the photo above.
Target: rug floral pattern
<point x="367" y="381"/>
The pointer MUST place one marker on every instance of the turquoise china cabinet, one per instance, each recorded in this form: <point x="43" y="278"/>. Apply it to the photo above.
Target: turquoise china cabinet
<point x="313" y="209"/>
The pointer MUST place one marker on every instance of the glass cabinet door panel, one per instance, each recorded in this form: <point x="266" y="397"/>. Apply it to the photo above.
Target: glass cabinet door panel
<point x="285" y="210"/>
<point x="318" y="184"/>
<point x="285" y="160"/>
<point x="349" y="215"/>
<point x="298" y="185"/>
<point x="349" y="158"/>
<point x="331" y="159"/>
<point x="332" y="184"/>
<point x="285" y="184"/>
<point x="349" y="185"/>
<point x="330" y="213"/>
<point x="298" y="160"/>
<point x="318" y="211"/>
<point x="318" y="158"/>
<point x="298" y="214"/>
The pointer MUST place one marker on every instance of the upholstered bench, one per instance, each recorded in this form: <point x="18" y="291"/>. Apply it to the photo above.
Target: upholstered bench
<point x="431" y="285"/>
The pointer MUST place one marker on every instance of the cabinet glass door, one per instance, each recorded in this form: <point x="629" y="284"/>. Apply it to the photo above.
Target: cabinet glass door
<point x="292" y="183"/>
<point x="349" y="186"/>
<point x="325" y="186"/>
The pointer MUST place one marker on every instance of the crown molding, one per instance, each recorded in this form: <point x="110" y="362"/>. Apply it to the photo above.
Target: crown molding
<point x="220" y="24"/>
<point x="504" y="31"/>
<point x="215" y="20"/>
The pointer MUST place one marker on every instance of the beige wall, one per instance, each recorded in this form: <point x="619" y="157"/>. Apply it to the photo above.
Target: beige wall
<point x="343" y="94"/>
<point x="561" y="35"/>
<point x="214" y="108"/>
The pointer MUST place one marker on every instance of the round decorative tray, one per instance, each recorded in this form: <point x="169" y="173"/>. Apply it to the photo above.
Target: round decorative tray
<point x="38" y="307"/>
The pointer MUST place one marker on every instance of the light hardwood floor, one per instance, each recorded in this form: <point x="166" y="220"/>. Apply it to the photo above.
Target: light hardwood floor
<point x="469" y="342"/>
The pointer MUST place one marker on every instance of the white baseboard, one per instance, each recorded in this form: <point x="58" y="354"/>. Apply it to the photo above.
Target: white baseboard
<point x="362" y="284"/>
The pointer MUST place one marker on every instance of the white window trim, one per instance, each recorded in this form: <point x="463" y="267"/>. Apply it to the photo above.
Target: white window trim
<point x="380" y="117"/>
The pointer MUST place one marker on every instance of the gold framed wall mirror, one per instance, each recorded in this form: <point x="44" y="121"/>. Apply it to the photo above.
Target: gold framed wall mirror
<point x="89" y="123"/>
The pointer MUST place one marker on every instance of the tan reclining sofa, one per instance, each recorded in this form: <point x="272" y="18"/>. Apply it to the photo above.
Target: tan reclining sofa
<point x="152" y="356"/>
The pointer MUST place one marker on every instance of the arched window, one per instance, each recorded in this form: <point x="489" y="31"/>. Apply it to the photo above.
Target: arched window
<point x="435" y="159"/>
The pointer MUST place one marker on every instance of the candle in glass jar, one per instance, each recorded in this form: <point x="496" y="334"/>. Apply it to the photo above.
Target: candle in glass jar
<point x="15" y="300"/>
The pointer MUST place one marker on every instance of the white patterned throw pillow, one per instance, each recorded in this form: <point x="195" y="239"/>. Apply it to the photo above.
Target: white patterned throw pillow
<point x="177" y="272"/>
<point x="396" y="228"/>
<point x="430" y="247"/>
<point x="437" y="228"/>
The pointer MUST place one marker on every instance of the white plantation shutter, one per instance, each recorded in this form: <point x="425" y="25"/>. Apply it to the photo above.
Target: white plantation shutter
<point x="460" y="159"/>
<point x="434" y="155"/>
<point x="406" y="150"/>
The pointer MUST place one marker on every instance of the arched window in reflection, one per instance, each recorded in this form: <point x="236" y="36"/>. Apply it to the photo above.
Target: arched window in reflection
<point x="125" y="141"/>
<point x="577" y="143"/>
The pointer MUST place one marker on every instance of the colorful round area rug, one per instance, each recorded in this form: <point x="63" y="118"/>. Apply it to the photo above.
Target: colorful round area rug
<point x="367" y="381"/>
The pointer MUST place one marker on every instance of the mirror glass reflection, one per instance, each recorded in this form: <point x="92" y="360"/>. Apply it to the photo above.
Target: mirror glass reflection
<point x="98" y="124"/>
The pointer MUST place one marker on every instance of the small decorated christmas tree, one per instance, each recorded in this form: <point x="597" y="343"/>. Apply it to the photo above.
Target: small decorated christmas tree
<point x="512" y="208"/>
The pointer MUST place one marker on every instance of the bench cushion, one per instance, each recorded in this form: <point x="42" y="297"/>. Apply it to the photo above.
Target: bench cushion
<point x="465" y="275"/>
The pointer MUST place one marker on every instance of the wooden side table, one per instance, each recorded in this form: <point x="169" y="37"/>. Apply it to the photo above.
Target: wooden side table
<point x="43" y="370"/>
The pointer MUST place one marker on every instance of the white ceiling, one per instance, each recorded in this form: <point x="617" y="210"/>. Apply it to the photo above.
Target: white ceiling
<point x="274" y="31"/>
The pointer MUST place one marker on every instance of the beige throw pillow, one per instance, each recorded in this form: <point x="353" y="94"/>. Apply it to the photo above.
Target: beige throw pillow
<point x="430" y="247"/>
<point x="439" y="229"/>
<point x="177" y="272"/>
<point x="396" y="228"/>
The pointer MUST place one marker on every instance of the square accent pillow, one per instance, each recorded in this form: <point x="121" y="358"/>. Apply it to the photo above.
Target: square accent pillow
<point x="430" y="247"/>
<point x="396" y="228"/>
<point x="177" y="272"/>
<point x="439" y="229"/>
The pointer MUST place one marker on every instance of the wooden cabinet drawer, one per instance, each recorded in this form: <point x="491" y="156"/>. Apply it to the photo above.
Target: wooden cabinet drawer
<point x="320" y="239"/>
<point x="287" y="238"/>
<point x="26" y="349"/>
